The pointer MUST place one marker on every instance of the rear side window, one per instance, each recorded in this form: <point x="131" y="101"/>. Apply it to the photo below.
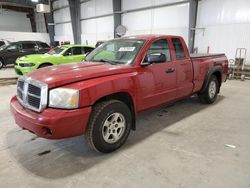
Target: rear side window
<point x="77" y="50"/>
<point x="160" y="47"/>
<point x="43" y="45"/>
<point x="87" y="49"/>
<point x="27" y="46"/>
<point x="178" y="48"/>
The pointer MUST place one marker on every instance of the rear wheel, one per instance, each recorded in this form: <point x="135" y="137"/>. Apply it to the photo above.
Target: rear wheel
<point x="109" y="126"/>
<point x="211" y="91"/>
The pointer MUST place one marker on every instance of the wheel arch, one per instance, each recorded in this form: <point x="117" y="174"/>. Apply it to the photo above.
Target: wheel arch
<point x="216" y="71"/>
<point x="45" y="63"/>
<point x="124" y="97"/>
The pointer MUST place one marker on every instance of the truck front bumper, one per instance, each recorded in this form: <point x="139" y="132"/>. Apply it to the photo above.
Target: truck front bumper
<point x="51" y="123"/>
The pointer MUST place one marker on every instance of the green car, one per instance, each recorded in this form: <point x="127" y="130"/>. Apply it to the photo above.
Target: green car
<point x="56" y="56"/>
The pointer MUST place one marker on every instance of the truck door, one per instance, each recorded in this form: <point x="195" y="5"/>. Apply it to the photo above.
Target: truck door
<point x="184" y="68"/>
<point x="158" y="79"/>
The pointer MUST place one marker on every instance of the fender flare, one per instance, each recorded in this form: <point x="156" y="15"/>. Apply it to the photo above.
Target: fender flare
<point x="44" y="63"/>
<point x="210" y="72"/>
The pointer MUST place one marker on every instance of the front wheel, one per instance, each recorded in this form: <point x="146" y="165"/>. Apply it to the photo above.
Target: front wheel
<point x="211" y="91"/>
<point x="109" y="126"/>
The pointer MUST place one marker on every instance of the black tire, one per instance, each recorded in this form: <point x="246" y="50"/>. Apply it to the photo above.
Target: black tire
<point x="205" y="97"/>
<point x="1" y="63"/>
<point x="101" y="113"/>
<point x="44" y="65"/>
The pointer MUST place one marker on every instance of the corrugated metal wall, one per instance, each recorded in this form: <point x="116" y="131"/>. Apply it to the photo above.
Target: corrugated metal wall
<point x="14" y="21"/>
<point x="227" y="26"/>
<point x="63" y="31"/>
<point x="166" y="20"/>
<point x="97" y="28"/>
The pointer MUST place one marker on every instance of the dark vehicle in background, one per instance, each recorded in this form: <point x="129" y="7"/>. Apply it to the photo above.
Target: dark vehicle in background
<point x="4" y="42"/>
<point x="9" y="53"/>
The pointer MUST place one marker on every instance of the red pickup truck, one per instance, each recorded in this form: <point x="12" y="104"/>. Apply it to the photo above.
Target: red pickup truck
<point x="101" y="96"/>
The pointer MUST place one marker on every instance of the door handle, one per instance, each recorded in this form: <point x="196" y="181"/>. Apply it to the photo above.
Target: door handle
<point x="170" y="70"/>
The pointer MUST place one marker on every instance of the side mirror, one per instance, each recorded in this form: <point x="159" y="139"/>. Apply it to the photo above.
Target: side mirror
<point x="154" y="58"/>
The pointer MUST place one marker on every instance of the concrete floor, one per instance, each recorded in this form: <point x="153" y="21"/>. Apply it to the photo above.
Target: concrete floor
<point x="182" y="145"/>
<point x="8" y="72"/>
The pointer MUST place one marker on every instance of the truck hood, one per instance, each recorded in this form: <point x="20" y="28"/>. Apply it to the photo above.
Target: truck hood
<point x="59" y="75"/>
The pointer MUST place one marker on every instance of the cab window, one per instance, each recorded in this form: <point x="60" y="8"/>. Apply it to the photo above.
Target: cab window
<point x="68" y="52"/>
<point x="14" y="47"/>
<point x="28" y="46"/>
<point x="160" y="47"/>
<point x="77" y="51"/>
<point x="43" y="45"/>
<point x="178" y="48"/>
<point x="87" y="49"/>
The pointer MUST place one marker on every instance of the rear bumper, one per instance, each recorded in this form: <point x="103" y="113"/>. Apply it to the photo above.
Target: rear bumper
<point x="51" y="123"/>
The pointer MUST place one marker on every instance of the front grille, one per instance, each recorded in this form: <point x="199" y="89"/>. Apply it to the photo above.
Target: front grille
<point x="34" y="101"/>
<point x="32" y="94"/>
<point x="34" y="90"/>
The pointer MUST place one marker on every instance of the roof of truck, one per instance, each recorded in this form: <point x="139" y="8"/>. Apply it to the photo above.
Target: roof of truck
<point x="148" y="37"/>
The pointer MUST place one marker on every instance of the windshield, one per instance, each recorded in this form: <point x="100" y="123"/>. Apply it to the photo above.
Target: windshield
<point x="56" y="50"/>
<point x="122" y="51"/>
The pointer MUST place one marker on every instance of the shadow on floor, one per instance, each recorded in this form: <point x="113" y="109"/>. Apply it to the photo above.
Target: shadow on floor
<point x="62" y="158"/>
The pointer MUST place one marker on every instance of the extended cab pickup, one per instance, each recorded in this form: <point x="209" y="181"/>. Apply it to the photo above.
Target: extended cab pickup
<point x="101" y="96"/>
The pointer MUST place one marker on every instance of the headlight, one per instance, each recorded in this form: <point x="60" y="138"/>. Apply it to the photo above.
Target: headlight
<point x="64" y="98"/>
<point x="26" y="64"/>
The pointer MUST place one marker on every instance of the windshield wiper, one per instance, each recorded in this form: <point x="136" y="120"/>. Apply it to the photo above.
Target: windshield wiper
<point x="107" y="61"/>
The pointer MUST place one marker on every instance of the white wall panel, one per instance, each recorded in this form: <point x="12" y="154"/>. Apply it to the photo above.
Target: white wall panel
<point x="63" y="32"/>
<point x="167" y="20"/>
<point x="171" y="17"/>
<point x="40" y="23"/>
<point x="159" y="2"/>
<point x="96" y="8"/>
<point x="134" y="4"/>
<point x="62" y="15"/>
<point x="97" y="29"/>
<point x="137" y="22"/>
<point x="214" y="12"/>
<point x="60" y="3"/>
<point x="226" y="26"/>
<point x="14" y="21"/>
